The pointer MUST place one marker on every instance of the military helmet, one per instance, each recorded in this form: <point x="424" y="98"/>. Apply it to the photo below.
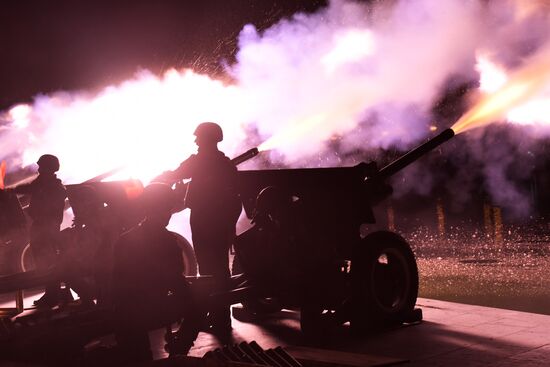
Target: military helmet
<point x="158" y="196"/>
<point x="209" y="131"/>
<point x="48" y="163"/>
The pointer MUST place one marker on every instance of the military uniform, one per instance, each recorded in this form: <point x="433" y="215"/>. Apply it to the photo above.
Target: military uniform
<point x="215" y="209"/>
<point x="46" y="208"/>
<point x="149" y="288"/>
<point x="148" y="263"/>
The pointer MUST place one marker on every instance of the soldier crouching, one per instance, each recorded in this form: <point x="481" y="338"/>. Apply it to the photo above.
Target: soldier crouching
<point x="149" y="288"/>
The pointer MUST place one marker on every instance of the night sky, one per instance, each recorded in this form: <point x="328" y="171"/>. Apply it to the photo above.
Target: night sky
<point x="47" y="46"/>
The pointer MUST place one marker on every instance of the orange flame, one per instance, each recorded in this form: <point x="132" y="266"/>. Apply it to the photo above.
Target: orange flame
<point x="2" y="174"/>
<point x="133" y="188"/>
<point x="521" y="86"/>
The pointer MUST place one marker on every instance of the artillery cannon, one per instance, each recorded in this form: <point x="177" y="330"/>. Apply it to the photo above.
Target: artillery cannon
<point x="305" y="249"/>
<point x="102" y="210"/>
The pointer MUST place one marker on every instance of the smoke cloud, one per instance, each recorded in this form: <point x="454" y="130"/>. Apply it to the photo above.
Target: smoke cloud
<point x="389" y="90"/>
<point x="322" y="89"/>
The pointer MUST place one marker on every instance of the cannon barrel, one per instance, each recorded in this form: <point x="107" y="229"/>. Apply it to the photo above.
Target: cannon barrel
<point x="251" y="153"/>
<point x="102" y="176"/>
<point x="414" y="154"/>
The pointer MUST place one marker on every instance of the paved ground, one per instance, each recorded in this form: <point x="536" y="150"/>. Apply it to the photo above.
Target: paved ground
<point x="452" y="334"/>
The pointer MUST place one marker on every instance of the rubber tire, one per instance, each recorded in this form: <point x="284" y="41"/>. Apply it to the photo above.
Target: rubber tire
<point x="26" y="261"/>
<point x="384" y="281"/>
<point x="189" y="259"/>
<point x="11" y="253"/>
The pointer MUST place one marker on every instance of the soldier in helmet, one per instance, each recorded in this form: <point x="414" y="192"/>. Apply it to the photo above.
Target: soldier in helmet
<point x="215" y="208"/>
<point x="148" y="279"/>
<point x="47" y="203"/>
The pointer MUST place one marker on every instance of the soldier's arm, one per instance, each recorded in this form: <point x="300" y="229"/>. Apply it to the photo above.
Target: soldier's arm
<point x="182" y="172"/>
<point x="185" y="169"/>
<point x="25" y="189"/>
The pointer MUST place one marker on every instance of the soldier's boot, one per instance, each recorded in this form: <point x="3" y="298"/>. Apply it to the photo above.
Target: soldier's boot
<point x="179" y="345"/>
<point x="181" y="341"/>
<point x="65" y="295"/>
<point x="50" y="298"/>
<point x="220" y="322"/>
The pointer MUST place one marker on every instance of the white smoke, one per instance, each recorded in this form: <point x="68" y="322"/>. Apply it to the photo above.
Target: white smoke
<point x="414" y="51"/>
<point x="356" y="75"/>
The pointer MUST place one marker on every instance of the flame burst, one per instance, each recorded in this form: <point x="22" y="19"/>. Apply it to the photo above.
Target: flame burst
<point x="300" y="83"/>
<point x="144" y="125"/>
<point x="2" y="174"/>
<point x="515" y="98"/>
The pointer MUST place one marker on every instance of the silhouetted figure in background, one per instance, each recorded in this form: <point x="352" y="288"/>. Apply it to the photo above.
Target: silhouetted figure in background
<point x="47" y="203"/>
<point x="86" y="258"/>
<point x="215" y="208"/>
<point x="149" y="282"/>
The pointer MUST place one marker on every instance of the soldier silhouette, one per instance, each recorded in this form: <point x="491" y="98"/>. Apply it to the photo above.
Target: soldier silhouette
<point x="215" y="208"/>
<point x="47" y="203"/>
<point x="86" y="259"/>
<point x="149" y="286"/>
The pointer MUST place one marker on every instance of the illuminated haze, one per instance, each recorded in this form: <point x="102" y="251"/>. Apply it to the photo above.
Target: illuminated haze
<point x="362" y="77"/>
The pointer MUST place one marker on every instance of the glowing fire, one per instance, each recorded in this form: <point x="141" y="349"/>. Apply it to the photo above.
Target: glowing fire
<point x="299" y="84"/>
<point x="491" y="76"/>
<point x="2" y="174"/>
<point x="515" y="99"/>
<point x="20" y="115"/>
<point x="144" y="125"/>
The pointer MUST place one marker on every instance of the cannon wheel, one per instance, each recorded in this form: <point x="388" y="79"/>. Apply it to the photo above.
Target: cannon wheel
<point x="384" y="281"/>
<point x="188" y="254"/>
<point x="26" y="261"/>
<point x="14" y="249"/>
